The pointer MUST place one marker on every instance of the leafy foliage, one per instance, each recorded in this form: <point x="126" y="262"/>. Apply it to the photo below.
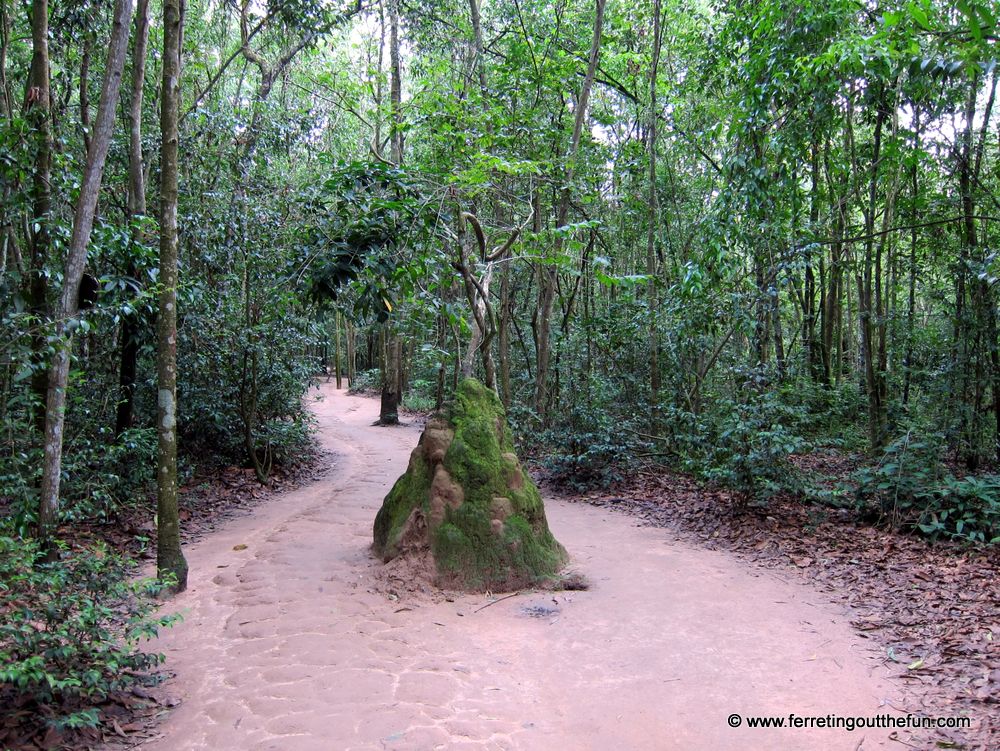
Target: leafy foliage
<point x="750" y="449"/>
<point x="71" y="629"/>
<point x="589" y="451"/>
<point x="911" y="488"/>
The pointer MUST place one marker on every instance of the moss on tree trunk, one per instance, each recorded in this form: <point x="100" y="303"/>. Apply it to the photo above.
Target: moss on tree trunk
<point x="465" y="498"/>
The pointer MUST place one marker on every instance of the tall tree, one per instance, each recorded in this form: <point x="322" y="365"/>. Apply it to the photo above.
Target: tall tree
<point x="38" y="107"/>
<point x="652" y="225"/>
<point x="125" y="413"/>
<point x="76" y="262"/>
<point x="170" y="561"/>
<point x="392" y="350"/>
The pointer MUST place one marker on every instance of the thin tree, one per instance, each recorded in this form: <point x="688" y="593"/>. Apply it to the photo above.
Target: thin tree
<point x="392" y="354"/>
<point x="652" y="223"/>
<point x="125" y="413"/>
<point x="76" y="261"/>
<point x="38" y="108"/>
<point x="170" y="560"/>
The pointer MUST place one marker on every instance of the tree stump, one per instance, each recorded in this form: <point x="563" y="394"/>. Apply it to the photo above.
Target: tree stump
<point x="466" y="499"/>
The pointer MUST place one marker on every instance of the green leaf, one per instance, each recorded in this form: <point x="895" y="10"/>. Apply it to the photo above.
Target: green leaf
<point x="919" y="15"/>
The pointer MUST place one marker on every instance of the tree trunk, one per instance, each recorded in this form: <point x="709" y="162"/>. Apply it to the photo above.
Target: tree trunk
<point x="868" y="304"/>
<point x="38" y="108"/>
<point x="351" y="366"/>
<point x="336" y="351"/>
<point x="652" y="222"/>
<point x="76" y="261"/>
<point x="170" y="560"/>
<point x="128" y="366"/>
<point x="503" y="337"/>
<point x="389" y="411"/>
<point x="911" y="307"/>
<point x="391" y="361"/>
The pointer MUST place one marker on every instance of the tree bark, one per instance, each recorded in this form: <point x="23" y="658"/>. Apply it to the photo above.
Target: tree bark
<point x="389" y="410"/>
<point x="170" y="562"/>
<point x="652" y="222"/>
<point x="911" y="306"/>
<point x="336" y="351"/>
<point x="128" y="366"/>
<point x="868" y="302"/>
<point x="38" y="108"/>
<point x="76" y="261"/>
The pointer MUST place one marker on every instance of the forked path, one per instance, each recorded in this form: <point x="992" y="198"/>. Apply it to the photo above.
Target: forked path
<point x="286" y="646"/>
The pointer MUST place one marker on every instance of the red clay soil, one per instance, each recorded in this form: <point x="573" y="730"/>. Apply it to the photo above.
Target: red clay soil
<point x="295" y="637"/>
<point x="932" y="611"/>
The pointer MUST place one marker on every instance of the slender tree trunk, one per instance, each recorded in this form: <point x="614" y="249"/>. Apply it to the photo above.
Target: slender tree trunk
<point x="85" y="90"/>
<point x="6" y="105"/>
<point x="10" y="252"/>
<point x="868" y="305"/>
<point x="477" y="40"/>
<point x="911" y="307"/>
<point x="389" y="411"/>
<point x="351" y="357"/>
<point x="76" y="261"/>
<point x="38" y="108"/>
<point x="503" y="336"/>
<point x="336" y="351"/>
<point x="652" y="224"/>
<point x="125" y="412"/>
<point x="170" y="560"/>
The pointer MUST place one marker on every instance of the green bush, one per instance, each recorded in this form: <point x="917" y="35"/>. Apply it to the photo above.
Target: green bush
<point x="911" y="489"/>
<point x="366" y="381"/>
<point x="421" y="396"/>
<point x="235" y="379"/>
<point x="750" y="449"/>
<point x="896" y="485"/>
<point x="102" y="478"/>
<point x="70" y="629"/>
<point x="589" y="451"/>
<point x="966" y="509"/>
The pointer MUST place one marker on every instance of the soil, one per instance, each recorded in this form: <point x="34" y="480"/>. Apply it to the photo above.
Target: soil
<point x="296" y="637"/>
<point x="931" y="610"/>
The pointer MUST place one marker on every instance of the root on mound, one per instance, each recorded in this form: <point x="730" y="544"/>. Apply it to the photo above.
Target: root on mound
<point x="465" y="498"/>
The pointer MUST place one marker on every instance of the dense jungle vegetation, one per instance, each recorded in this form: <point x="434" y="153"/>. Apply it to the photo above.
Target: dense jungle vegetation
<point x="717" y="234"/>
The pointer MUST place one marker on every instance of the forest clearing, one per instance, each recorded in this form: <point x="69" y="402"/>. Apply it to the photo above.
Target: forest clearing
<point x="514" y="374"/>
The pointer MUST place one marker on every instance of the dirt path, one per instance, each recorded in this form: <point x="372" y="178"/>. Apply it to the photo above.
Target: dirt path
<point x="285" y="646"/>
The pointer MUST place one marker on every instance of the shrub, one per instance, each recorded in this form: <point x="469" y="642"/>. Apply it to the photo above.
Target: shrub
<point x="590" y="451"/>
<point x="896" y="485"/>
<point x="751" y="449"/>
<point x="70" y="630"/>
<point x="366" y="381"/>
<point x="966" y="509"/>
<point x="421" y="396"/>
<point x="911" y="489"/>
<point x="105" y="474"/>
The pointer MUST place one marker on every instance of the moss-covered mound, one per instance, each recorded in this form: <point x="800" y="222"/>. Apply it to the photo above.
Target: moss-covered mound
<point x="465" y="498"/>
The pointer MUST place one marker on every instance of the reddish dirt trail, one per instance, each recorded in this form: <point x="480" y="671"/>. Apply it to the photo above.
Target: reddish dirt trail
<point x="286" y="646"/>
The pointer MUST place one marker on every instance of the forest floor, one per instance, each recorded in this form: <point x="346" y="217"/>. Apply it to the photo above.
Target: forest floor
<point x="295" y="637"/>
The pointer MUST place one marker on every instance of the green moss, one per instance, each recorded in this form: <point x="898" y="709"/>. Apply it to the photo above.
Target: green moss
<point x="470" y="555"/>
<point x="409" y="491"/>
